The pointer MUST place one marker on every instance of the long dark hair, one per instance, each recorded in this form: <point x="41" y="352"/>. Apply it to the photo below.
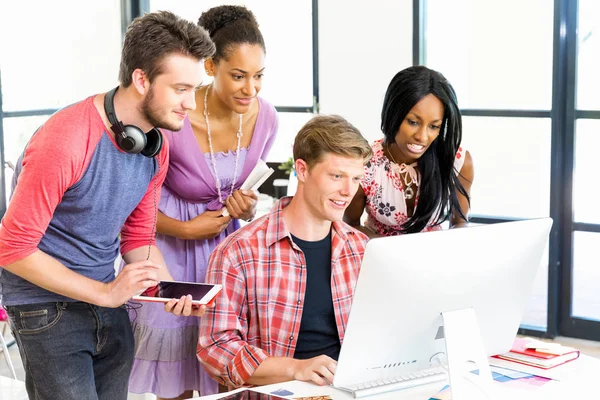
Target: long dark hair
<point x="439" y="181"/>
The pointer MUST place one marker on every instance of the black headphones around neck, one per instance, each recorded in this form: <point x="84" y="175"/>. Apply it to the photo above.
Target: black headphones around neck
<point x="130" y="138"/>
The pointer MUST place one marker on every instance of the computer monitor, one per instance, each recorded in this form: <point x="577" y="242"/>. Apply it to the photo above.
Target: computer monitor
<point x="406" y="282"/>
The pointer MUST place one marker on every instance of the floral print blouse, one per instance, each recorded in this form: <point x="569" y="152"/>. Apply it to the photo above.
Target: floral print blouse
<point x="384" y="190"/>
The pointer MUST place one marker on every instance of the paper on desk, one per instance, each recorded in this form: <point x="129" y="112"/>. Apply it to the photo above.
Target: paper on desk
<point x="577" y="368"/>
<point x="509" y="372"/>
<point x="527" y="387"/>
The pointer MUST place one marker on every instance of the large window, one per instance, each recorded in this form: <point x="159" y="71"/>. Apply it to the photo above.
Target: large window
<point x="48" y="63"/>
<point x="526" y="79"/>
<point x="503" y="80"/>
<point x="497" y="54"/>
<point x="48" y="60"/>
<point x="588" y="57"/>
<point x="512" y="160"/>
<point x="580" y="295"/>
<point x="289" y="81"/>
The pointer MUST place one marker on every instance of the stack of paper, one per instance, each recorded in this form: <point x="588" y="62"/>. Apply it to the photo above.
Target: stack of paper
<point x="539" y="354"/>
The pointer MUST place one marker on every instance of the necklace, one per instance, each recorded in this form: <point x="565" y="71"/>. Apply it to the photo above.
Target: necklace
<point x="212" y="153"/>
<point x="405" y="174"/>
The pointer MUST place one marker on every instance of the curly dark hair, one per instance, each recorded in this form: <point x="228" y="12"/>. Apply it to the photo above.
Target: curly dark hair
<point x="230" y="26"/>
<point x="151" y="38"/>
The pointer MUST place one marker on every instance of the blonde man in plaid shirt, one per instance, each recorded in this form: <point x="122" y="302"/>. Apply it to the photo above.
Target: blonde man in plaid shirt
<point x="289" y="276"/>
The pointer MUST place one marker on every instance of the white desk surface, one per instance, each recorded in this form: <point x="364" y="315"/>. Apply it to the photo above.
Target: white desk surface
<point x="578" y="379"/>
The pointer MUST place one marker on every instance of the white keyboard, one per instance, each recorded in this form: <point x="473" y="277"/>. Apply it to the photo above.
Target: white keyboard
<point x="418" y="378"/>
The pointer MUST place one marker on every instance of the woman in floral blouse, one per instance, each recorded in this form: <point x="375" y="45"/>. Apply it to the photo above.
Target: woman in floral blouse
<point x="419" y="175"/>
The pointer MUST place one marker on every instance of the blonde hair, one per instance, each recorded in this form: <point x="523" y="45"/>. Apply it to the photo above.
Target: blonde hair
<point x="330" y="134"/>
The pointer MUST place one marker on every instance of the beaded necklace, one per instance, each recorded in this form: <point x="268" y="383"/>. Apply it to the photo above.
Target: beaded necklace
<point x="212" y="153"/>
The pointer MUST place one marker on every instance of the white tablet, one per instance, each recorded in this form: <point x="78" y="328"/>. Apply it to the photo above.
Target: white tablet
<point x="202" y="293"/>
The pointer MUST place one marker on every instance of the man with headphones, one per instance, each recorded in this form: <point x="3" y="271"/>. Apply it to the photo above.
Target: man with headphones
<point x="93" y="172"/>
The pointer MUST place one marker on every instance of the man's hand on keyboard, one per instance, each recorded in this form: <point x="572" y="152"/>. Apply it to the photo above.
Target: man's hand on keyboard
<point x="319" y="369"/>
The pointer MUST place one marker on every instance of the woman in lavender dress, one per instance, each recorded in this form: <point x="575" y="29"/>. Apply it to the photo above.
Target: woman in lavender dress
<point x="219" y="144"/>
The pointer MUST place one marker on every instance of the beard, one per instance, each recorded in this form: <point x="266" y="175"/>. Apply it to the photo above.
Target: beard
<point x="153" y="112"/>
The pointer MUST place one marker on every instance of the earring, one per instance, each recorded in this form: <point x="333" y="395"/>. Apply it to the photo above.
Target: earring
<point x="208" y="73"/>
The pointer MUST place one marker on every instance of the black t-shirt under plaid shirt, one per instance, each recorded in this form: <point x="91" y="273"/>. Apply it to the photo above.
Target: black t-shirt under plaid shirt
<point x="318" y="331"/>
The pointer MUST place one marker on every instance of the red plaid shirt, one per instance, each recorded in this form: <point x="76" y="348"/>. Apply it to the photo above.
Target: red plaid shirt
<point x="263" y="274"/>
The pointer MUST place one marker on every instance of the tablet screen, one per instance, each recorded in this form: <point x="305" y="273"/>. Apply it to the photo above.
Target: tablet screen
<point x="174" y="290"/>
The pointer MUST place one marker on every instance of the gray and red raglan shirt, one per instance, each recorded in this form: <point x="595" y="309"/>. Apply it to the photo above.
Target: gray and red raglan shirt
<point x="75" y="192"/>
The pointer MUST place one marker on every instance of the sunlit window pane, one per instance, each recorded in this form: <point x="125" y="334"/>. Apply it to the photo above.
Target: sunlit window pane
<point x="288" y="74"/>
<point x="588" y="57"/>
<point x="497" y="54"/>
<point x="17" y="132"/>
<point x="536" y="311"/>
<point x="51" y="58"/>
<point x="289" y="125"/>
<point x="586" y="275"/>
<point x="585" y="175"/>
<point x="511" y="158"/>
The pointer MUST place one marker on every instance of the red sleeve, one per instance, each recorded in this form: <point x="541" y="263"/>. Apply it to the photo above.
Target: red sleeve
<point x="136" y="230"/>
<point x="55" y="158"/>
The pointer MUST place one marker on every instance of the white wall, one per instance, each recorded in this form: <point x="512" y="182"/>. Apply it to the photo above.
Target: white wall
<point x="362" y="45"/>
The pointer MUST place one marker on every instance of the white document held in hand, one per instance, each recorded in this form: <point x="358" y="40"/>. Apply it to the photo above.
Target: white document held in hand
<point x="257" y="177"/>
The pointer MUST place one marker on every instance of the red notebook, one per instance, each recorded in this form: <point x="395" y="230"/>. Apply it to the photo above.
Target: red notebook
<point x="539" y="354"/>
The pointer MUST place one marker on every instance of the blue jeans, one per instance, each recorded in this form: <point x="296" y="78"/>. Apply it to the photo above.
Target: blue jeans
<point x="73" y="350"/>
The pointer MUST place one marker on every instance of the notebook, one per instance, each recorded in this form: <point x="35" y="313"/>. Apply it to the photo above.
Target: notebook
<point x="539" y="354"/>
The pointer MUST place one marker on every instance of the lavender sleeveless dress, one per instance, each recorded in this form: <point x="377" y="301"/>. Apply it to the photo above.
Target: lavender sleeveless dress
<point x="165" y="351"/>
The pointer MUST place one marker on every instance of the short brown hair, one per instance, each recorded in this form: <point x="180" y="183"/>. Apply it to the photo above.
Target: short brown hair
<point x="330" y="134"/>
<point x="151" y="38"/>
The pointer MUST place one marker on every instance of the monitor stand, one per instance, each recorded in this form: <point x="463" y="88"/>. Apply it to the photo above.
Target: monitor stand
<point x="465" y="353"/>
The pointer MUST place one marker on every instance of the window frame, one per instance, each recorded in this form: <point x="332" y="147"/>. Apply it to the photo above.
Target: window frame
<point x="563" y="115"/>
<point x="131" y="9"/>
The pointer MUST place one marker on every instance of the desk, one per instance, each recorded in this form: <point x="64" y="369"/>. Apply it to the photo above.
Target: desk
<point x="580" y="380"/>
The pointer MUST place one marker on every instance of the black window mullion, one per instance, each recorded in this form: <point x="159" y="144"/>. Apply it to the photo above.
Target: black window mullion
<point x="287" y="109"/>
<point x="131" y="9"/>
<point x="561" y="275"/>
<point x="418" y="45"/>
<point x="29" y="113"/>
<point x="582" y="328"/>
<point x="505" y="113"/>
<point x="315" y="54"/>
<point x="585" y="227"/>
<point x="482" y="219"/>
<point x="527" y="330"/>
<point x="587" y="114"/>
